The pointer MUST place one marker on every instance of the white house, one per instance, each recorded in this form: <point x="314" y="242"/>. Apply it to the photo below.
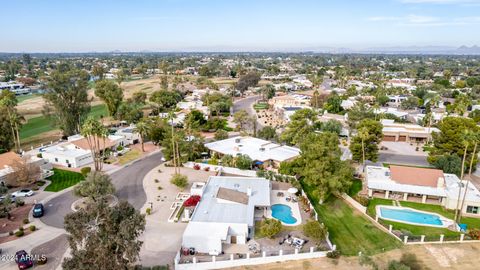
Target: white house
<point x="396" y="100"/>
<point x="263" y="151"/>
<point x="129" y="135"/>
<point x="400" y="132"/>
<point x="225" y="215"/>
<point x="422" y="184"/>
<point x="67" y="155"/>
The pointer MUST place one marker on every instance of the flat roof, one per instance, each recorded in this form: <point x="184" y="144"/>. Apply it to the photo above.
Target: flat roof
<point x="211" y="208"/>
<point x="256" y="149"/>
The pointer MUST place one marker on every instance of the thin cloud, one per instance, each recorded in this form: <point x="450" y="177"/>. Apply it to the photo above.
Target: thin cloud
<point x="426" y="21"/>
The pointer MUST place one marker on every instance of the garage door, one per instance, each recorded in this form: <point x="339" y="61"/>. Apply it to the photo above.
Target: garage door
<point x="389" y="138"/>
<point x="402" y="138"/>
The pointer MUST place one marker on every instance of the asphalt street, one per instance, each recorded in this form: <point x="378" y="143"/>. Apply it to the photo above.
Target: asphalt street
<point x="403" y="159"/>
<point x="128" y="182"/>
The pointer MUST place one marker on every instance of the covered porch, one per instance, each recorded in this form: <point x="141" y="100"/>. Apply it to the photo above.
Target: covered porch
<point x="405" y="196"/>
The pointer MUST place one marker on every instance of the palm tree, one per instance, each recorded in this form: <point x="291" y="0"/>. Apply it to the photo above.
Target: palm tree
<point x="142" y="127"/>
<point x="466" y="141"/>
<point x="474" y="137"/>
<point x="363" y="134"/>
<point x="9" y="101"/>
<point x="171" y="116"/>
<point x="94" y="132"/>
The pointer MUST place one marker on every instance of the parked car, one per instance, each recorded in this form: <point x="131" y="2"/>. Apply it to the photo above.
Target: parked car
<point x="23" y="260"/>
<point x="23" y="193"/>
<point x="13" y="198"/>
<point x="38" y="210"/>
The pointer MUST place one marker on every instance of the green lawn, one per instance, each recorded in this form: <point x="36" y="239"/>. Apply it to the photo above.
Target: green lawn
<point x="429" y="232"/>
<point x="355" y="188"/>
<point x="22" y="98"/>
<point x="260" y="106"/>
<point x="41" y="124"/>
<point x="63" y="179"/>
<point x="349" y="229"/>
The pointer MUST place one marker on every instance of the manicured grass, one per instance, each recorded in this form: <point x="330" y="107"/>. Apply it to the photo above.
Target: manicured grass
<point x="63" y="179"/>
<point x="355" y="188"/>
<point x="129" y="156"/>
<point x="260" y="106"/>
<point x="22" y="98"/>
<point x="41" y="124"/>
<point x="429" y="232"/>
<point x="349" y="229"/>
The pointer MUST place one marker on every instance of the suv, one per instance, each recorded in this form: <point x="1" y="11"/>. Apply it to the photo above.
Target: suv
<point x="23" y="260"/>
<point x="38" y="210"/>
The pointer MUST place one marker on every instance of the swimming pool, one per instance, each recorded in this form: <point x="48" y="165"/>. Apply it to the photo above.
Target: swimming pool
<point x="410" y="216"/>
<point x="283" y="213"/>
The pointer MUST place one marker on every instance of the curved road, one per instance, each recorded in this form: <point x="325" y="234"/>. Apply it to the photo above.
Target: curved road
<point x="129" y="184"/>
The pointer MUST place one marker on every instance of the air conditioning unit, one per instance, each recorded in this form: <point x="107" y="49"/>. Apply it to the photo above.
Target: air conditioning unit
<point x="237" y="140"/>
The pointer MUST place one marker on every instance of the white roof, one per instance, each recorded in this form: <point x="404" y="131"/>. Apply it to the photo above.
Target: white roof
<point x="390" y="126"/>
<point x="379" y="178"/>
<point x="452" y="186"/>
<point x="211" y="209"/>
<point x="66" y="149"/>
<point x="256" y="149"/>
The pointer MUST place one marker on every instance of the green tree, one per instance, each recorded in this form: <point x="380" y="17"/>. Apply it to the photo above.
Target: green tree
<point x="98" y="71"/>
<point x="227" y="160"/>
<point x="410" y="103"/>
<point x="461" y="104"/>
<point x="268" y="91"/>
<point x="13" y="120"/>
<point x="320" y="165"/>
<point x="267" y="133"/>
<point x="104" y="237"/>
<point x="95" y="134"/>
<point x="449" y="164"/>
<point x="139" y="97"/>
<point x="7" y="139"/>
<point x="165" y="100"/>
<point x="130" y="112"/>
<point x="449" y="141"/>
<point x="66" y="99"/>
<point x="332" y="125"/>
<point x="243" y="162"/>
<point x="315" y="230"/>
<point x="300" y="125"/>
<point x="194" y="120"/>
<point x="241" y="118"/>
<point x="111" y="94"/>
<point x="250" y="79"/>
<point x="270" y="227"/>
<point x="142" y="127"/>
<point x="333" y="104"/>
<point x="96" y="186"/>
<point x="364" y="146"/>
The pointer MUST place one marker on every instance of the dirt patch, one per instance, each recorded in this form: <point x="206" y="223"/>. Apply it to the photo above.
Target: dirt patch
<point x="17" y="215"/>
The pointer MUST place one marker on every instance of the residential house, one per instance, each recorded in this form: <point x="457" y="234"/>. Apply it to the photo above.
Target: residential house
<point x="8" y="160"/>
<point x="400" y="132"/>
<point x="225" y="215"/>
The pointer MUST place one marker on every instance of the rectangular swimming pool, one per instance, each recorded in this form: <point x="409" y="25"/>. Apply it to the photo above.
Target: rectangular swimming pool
<point x="410" y="216"/>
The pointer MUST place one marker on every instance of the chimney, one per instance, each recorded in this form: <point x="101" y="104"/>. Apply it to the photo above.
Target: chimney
<point x="440" y="182"/>
<point x="249" y="191"/>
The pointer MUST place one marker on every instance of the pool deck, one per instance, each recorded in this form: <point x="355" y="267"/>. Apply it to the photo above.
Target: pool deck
<point x="274" y="199"/>
<point x="446" y="222"/>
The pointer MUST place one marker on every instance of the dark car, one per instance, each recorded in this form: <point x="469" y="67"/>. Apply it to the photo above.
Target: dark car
<point x="38" y="210"/>
<point x="23" y="260"/>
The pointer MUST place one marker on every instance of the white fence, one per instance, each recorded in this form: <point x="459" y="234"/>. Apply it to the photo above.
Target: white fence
<point x="233" y="262"/>
<point x="217" y="168"/>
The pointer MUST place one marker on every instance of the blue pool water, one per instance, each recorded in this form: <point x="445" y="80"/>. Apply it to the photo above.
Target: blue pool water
<point x="411" y="216"/>
<point x="283" y="213"/>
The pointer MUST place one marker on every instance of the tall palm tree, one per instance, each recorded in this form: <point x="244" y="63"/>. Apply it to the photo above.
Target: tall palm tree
<point x="142" y="127"/>
<point x="171" y="116"/>
<point x="363" y="134"/>
<point x="474" y="137"/>
<point x="466" y="141"/>
<point x="95" y="133"/>
<point x="9" y="101"/>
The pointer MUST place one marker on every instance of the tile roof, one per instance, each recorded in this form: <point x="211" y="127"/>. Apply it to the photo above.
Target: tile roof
<point x="6" y="159"/>
<point x="415" y="176"/>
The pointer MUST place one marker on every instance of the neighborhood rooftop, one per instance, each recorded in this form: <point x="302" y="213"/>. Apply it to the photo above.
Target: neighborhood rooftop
<point x="256" y="149"/>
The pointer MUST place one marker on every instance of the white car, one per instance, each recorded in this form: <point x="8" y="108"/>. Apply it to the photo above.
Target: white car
<point x="23" y="193"/>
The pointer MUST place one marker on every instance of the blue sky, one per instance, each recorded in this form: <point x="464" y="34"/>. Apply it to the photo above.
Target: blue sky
<point x="228" y="25"/>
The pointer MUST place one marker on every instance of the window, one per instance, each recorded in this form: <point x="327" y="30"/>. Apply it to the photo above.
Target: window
<point x="472" y="209"/>
<point x="67" y="161"/>
<point x="56" y="159"/>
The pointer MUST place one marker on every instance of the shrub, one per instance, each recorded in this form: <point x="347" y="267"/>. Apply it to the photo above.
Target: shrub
<point x="206" y="169"/>
<point x="11" y="233"/>
<point x="35" y="188"/>
<point x="410" y="260"/>
<point x="19" y="202"/>
<point x="119" y="148"/>
<point x="192" y="201"/>
<point x="26" y="221"/>
<point x="196" y="167"/>
<point x="159" y="188"/>
<point x="85" y="171"/>
<point x="334" y="254"/>
<point x="179" y="180"/>
<point x="270" y="227"/>
<point x="39" y="155"/>
<point x="21" y="228"/>
<point x="40" y="183"/>
<point x="148" y="211"/>
<point x="19" y="233"/>
<point x="156" y="180"/>
<point x="243" y="162"/>
<point x="361" y="200"/>
<point x="474" y="234"/>
<point x="32" y="228"/>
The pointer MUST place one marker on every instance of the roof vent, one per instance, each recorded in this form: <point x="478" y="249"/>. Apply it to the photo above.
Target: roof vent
<point x="237" y="140"/>
<point x="262" y="149"/>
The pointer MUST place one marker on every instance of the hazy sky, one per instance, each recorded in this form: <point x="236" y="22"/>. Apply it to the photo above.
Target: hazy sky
<point x="228" y="25"/>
